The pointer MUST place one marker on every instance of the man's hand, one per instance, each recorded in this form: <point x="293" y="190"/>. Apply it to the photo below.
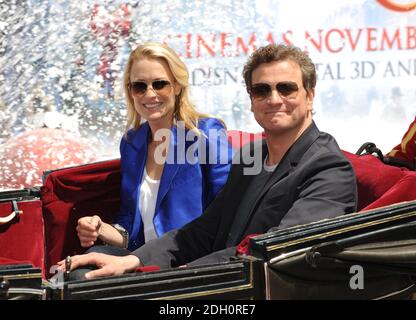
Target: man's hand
<point x="107" y="265"/>
<point x="88" y="230"/>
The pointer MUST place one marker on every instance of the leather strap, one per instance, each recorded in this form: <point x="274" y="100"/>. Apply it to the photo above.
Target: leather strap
<point x="15" y="213"/>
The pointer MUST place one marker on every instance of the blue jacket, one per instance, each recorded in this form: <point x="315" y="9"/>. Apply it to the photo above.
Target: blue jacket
<point x="187" y="185"/>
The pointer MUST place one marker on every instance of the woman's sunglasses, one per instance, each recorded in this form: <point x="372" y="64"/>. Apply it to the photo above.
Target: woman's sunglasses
<point x="286" y="90"/>
<point x="160" y="87"/>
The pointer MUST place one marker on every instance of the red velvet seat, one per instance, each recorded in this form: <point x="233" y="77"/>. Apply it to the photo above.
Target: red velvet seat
<point x="379" y="184"/>
<point x="72" y="193"/>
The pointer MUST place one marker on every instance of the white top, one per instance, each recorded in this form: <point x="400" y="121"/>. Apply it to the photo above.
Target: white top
<point x="147" y="204"/>
<point x="268" y="168"/>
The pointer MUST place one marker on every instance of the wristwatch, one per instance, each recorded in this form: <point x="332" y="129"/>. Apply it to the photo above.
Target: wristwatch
<point x="123" y="233"/>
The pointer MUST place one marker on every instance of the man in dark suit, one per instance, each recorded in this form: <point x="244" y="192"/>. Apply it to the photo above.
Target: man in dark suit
<point x="301" y="175"/>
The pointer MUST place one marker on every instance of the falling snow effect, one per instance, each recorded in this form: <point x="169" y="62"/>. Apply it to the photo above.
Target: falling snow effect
<point x="61" y="64"/>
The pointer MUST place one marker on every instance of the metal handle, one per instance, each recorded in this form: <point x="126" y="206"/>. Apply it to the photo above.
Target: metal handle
<point x="16" y="212"/>
<point x="25" y="293"/>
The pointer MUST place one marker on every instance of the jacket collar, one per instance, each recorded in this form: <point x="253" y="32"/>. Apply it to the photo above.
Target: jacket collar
<point x="292" y="157"/>
<point x="139" y="138"/>
<point x="171" y="167"/>
<point x="299" y="147"/>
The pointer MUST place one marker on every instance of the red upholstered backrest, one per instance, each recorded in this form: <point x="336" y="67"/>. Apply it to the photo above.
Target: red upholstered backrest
<point x="402" y="190"/>
<point x="71" y="193"/>
<point x="374" y="178"/>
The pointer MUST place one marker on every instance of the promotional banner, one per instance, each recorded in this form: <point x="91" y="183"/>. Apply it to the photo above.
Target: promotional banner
<point x="61" y="66"/>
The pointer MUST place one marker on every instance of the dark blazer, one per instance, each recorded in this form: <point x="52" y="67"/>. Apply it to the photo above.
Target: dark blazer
<point x="313" y="181"/>
<point x="187" y="185"/>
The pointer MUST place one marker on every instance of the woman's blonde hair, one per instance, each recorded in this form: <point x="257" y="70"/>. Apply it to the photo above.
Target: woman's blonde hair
<point x="184" y="109"/>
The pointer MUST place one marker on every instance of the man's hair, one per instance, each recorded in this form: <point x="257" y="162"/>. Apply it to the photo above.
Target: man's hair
<point x="273" y="52"/>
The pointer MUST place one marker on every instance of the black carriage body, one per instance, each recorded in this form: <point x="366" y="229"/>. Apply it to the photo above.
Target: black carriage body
<point x="239" y="279"/>
<point x="20" y="281"/>
<point x="370" y="255"/>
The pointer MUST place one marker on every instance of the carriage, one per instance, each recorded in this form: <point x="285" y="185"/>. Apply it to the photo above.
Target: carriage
<point x="370" y="254"/>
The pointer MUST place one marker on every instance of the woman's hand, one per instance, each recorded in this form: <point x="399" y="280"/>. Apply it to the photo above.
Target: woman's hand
<point x="88" y="230"/>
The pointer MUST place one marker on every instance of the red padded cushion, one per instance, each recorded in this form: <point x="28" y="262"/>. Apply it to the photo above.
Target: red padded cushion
<point x="243" y="247"/>
<point x="72" y="193"/>
<point x="374" y="178"/>
<point x="403" y="190"/>
<point x="23" y="239"/>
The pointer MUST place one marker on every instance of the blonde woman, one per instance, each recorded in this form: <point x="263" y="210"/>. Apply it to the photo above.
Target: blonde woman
<point x="174" y="159"/>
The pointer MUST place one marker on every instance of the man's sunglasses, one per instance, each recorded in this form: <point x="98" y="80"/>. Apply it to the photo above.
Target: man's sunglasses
<point x="160" y="87"/>
<point x="286" y="90"/>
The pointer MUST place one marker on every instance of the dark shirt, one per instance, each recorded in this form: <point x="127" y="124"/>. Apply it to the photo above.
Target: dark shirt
<point x="256" y="185"/>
